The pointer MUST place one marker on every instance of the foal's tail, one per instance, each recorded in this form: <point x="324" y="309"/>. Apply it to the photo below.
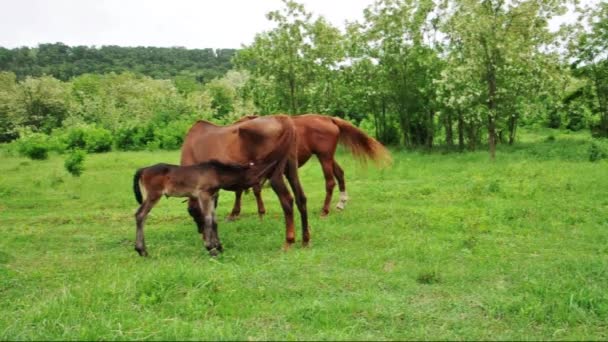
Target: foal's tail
<point x="136" y="189"/>
<point x="361" y="145"/>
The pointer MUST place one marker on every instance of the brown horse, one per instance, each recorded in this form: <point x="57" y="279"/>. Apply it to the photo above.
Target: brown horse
<point x="262" y="140"/>
<point x="319" y="135"/>
<point x="200" y="183"/>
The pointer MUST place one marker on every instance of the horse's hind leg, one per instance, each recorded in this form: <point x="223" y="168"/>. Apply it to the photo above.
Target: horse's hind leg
<point x="257" y="191"/>
<point x="236" y="209"/>
<point x="327" y="164"/>
<point x="291" y="171"/>
<point x="339" y="173"/>
<point x="280" y="188"/>
<point x="140" y="219"/>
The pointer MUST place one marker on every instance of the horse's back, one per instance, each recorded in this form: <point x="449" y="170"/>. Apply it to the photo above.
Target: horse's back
<point x="317" y="134"/>
<point x="205" y="141"/>
<point x="252" y="139"/>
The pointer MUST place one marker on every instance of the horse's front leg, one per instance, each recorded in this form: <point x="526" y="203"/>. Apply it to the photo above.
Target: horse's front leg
<point x="211" y="241"/>
<point x="140" y="219"/>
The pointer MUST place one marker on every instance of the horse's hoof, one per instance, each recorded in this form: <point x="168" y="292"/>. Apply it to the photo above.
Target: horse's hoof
<point x="232" y="217"/>
<point x="287" y="246"/>
<point x="340" y="206"/>
<point x="324" y="213"/>
<point x="214" y="252"/>
<point x="305" y="244"/>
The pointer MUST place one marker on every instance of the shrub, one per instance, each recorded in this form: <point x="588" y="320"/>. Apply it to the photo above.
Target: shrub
<point x="598" y="150"/>
<point x="98" y="140"/>
<point x="131" y="138"/>
<point x="171" y="136"/>
<point x="90" y="138"/>
<point x="74" y="162"/>
<point x="34" y="146"/>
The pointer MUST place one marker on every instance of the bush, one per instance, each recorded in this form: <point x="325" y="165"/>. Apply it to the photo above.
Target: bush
<point x="74" y="162"/>
<point x="598" y="150"/>
<point x="171" y="136"/>
<point x="98" y="140"/>
<point x="132" y="138"/>
<point x="90" y="138"/>
<point x="34" y="146"/>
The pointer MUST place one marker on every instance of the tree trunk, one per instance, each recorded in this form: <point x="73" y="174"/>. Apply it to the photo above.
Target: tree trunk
<point x="512" y="128"/>
<point x="472" y="136"/>
<point x="460" y="131"/>
<point x="430" y="129"/>
<point x="449" y="132"/>
<point x="491" y="79"/>
<point x="405" y="128"/>
<point x="292" y="95"/>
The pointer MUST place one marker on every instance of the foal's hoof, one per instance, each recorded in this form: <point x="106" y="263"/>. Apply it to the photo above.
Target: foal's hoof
<point x="340" y="206"/>
<point x="142" y="252"/>
<point x="214" y="252"/>
<point x="324" y="213"/>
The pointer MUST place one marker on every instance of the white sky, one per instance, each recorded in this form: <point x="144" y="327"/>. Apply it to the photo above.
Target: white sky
<point x="188" y="23"/>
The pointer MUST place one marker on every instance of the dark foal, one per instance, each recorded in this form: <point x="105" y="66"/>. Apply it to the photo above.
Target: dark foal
<point x="199" y="183"/>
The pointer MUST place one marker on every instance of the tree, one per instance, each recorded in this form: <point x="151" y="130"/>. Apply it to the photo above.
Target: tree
<point x="590" y="50"/>
<point x="499" y="39"/>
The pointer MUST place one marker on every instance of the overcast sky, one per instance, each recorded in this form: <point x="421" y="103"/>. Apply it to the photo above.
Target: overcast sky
<point x="188" y="23"/>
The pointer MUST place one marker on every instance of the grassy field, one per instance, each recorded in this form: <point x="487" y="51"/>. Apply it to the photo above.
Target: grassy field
<point x="439" y="246"/>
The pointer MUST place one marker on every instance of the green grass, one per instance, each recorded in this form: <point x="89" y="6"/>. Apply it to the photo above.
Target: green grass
<point x="439" y="246"/>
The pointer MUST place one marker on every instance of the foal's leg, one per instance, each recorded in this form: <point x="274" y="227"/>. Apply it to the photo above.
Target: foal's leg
<point x="291" y="172"/>
<point x="280" y="188"/>
<point x="207" y="205"/>
<point x="195" y="211"/>
<point x="257" y="191"/>
<point x="327" y="164"/>
<point x="214" y="227"/>
<point x="339" y="173"/>
<point x="236" y="209"/>
<point x="140" y="219"/>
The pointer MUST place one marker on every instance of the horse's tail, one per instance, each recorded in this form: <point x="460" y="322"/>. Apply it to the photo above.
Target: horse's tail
<point x="361" y="145"/>
<point x="136" y="188"/>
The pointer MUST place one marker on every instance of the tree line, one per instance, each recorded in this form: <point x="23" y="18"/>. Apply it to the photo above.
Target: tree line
<point x="65" y="62"/>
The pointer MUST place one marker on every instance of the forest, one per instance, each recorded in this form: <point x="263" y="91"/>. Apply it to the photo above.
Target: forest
<point x="451" y="74"/>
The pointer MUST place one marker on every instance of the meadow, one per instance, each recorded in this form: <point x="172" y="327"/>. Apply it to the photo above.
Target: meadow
<point x="438" y="246"/>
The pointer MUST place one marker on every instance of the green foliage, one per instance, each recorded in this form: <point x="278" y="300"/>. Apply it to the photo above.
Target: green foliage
<point x="74" y="162"/>
<point x="34" y="145"/>
<point x="90" y="138"/>
<point x="65" y="62"/>
<point x="133" y="138"/>
<point x="598" y="150"/>
<point x="171" y="136"/>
